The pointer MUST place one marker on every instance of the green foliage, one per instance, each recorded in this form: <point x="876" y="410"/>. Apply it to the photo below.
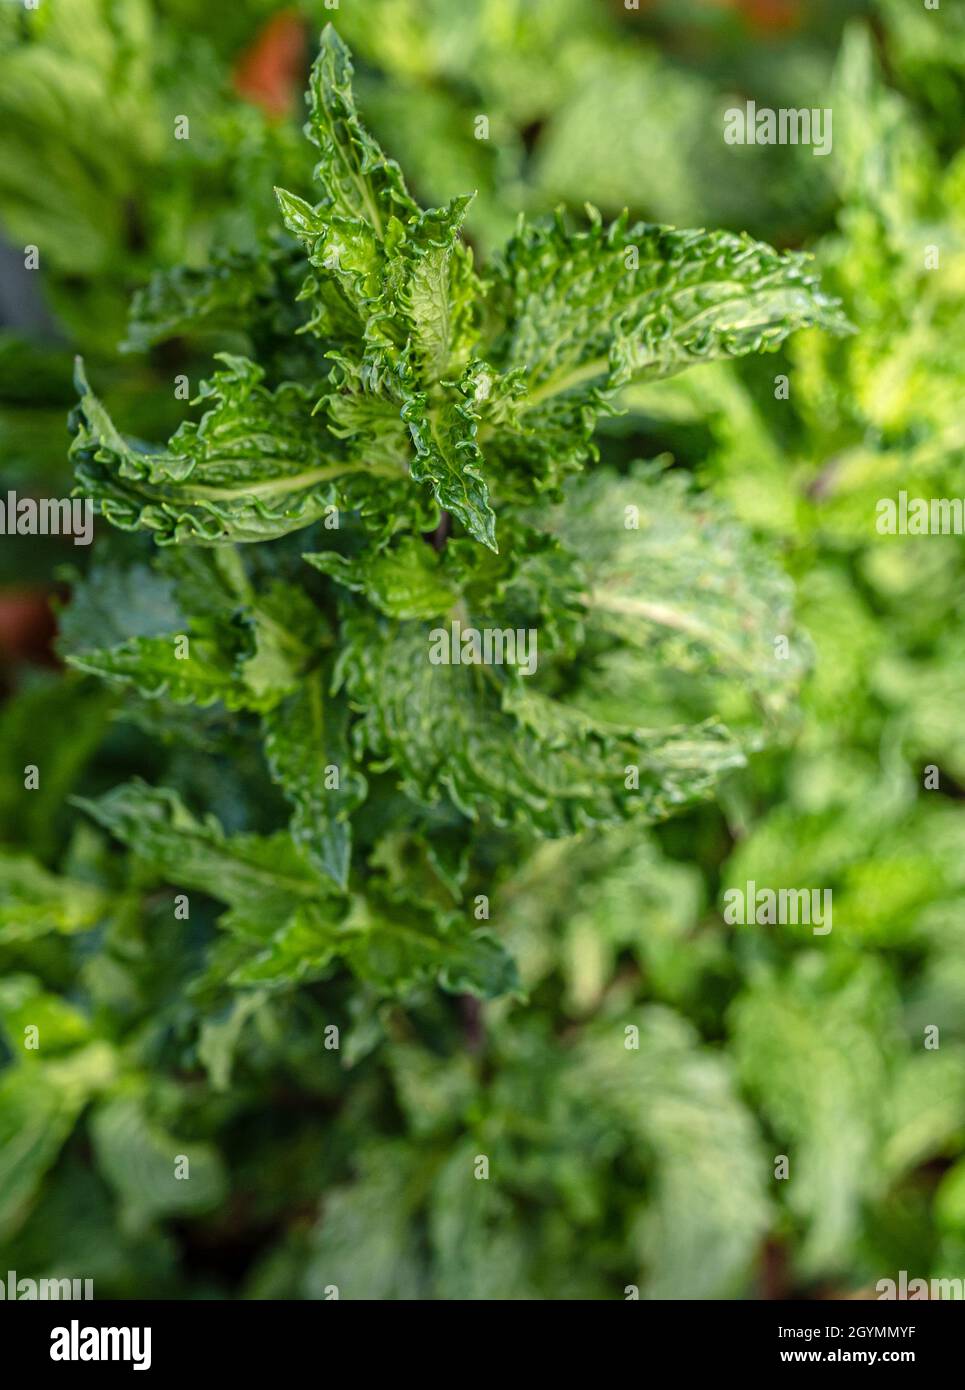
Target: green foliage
<point x="331" y="921"/>
<point x="398" y="303"/>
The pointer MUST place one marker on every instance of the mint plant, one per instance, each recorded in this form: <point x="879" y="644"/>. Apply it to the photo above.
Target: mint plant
<point x="401" y="445"/>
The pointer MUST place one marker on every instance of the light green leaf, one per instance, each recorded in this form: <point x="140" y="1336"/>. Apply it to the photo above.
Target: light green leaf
<point x="288" y="924"/>
<point x="24" y="1003"/>
<point x="810" y="1050"/>
<point x="151" y="664"/>
<point x="448" y="458"/>
<point x="698" y="1230"/>
<point x="256" y="466"/>
<point x="439" y="293"/>
<point x="306" y="746"/>
<point x="392" y="946"/>
<point x="236" y="292"/>
<point x="685" y="590"/>
<point x="406" y="580"/>
<point x="479" y="1252"/>
<point x="34" y="901"/>
<point x="583" y="313"/>
<point x="480" y="739"/>
<point x="39" y="1105"/>
<point x="363" y="1243"/>
<point x="141" y="1161"/>
<point x="358" y="181"/>
<point x="267" y="872"/>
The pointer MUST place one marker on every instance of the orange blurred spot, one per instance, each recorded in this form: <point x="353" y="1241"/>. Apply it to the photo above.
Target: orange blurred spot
<point x="773" y="14"/>
<point x="269" y="72"/>
<point x="27" y="626"/>
<point x="766" y="14"/>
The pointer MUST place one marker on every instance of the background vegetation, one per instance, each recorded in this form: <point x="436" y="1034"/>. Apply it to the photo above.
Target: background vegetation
<point x="313" y="1167"/>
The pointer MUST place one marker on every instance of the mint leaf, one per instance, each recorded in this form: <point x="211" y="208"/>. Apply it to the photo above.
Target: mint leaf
<point x="35" y="901"/>
<point x="358" y="181"/>
<point x="197" y="854"/>
<point x="448" y="458"/>
<point x="581" y="313"/>
<point x="441" y="289"/>
<point x="135" y="1154"/>
<point x="497" y="751"/>
<point x="417" y="423"/>
<point x="407" y="580"/>
<point x="256" y="466"/>
<point x="307" y="749"/>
